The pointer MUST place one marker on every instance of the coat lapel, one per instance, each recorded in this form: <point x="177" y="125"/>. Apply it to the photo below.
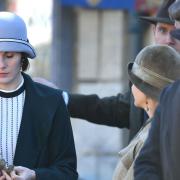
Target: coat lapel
<point x="32" y="133"/>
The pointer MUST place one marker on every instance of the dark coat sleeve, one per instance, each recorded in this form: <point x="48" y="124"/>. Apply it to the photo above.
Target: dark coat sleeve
<point x="112" y="111"/>
<point x="60" y="151"/>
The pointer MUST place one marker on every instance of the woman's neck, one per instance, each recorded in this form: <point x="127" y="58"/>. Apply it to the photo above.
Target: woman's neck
<point x="14" y="86"/>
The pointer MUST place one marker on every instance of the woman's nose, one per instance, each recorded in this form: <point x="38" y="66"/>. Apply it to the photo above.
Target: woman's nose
<point x="2" y="63"/>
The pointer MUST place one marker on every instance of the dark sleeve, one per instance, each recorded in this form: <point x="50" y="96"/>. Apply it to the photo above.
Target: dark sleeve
<point x="61" y="150"/>
<point x="111" y="111"/>
<point x="147" y="164"/>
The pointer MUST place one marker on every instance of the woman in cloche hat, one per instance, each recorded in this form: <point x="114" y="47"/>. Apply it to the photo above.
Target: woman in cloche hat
<point x="155" y="67"/>
<point x="36" y="140"/>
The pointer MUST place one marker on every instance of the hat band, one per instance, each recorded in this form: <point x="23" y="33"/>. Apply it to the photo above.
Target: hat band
<point x="150" y="77"/>
<point x="17" y="41"/>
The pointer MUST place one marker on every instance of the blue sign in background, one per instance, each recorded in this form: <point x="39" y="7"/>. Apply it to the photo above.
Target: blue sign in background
<point x="102" y="4"/>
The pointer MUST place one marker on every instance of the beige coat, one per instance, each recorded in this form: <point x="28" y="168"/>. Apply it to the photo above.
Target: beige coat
<point x="125" y="167"/>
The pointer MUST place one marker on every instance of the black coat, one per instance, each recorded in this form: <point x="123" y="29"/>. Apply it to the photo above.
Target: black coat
<point x="116" y="111"/>
<point x="159" y="159"/>
<point x="45" y="142"/>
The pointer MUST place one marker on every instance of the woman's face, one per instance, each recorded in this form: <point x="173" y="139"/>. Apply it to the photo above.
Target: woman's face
<point x="139" y="97"/>
<point x="10" y="70"/>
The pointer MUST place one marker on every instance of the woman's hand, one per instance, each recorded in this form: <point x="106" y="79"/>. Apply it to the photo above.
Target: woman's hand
<point x="5" y="176"/>
<point x="22" y="173"/>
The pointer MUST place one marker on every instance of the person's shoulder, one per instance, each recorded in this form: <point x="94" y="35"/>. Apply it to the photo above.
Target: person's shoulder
<point x="46" y="87"/>
<point x="175" y="85"/>
<point x="173" y="88"/>
<point x="171" y="93"/>
<point x="45" y="90"/>
<point x="49" y="94"/>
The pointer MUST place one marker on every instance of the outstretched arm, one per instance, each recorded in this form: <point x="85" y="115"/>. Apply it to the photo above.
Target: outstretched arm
<point x="111" y="111"/>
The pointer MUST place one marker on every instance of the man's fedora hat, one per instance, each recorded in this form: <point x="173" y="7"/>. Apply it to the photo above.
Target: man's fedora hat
<point x="13" y="35"/>
<point x="174" y="13"/>
<point x="155" y="67"/>
<point x="162" y="15"/>
<point x="174" y="10"/>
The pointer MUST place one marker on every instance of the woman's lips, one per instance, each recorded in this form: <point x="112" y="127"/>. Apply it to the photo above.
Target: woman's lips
<point x="3" y="74"/>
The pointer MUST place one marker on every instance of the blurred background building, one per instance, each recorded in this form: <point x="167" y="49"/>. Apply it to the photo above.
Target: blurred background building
<point x="83" y="46"/>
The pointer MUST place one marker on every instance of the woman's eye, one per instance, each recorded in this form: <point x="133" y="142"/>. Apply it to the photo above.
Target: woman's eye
<point x="9" y="55"/>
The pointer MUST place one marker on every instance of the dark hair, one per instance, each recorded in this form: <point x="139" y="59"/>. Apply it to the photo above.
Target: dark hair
<point x="25" y="62"/>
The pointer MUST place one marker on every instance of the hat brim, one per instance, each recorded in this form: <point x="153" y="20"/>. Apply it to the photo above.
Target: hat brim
<point x="146" y="88"/>
<point x="154" y="20"/>
<point x="175" y="33"/>
<point x="17" y="46"/>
